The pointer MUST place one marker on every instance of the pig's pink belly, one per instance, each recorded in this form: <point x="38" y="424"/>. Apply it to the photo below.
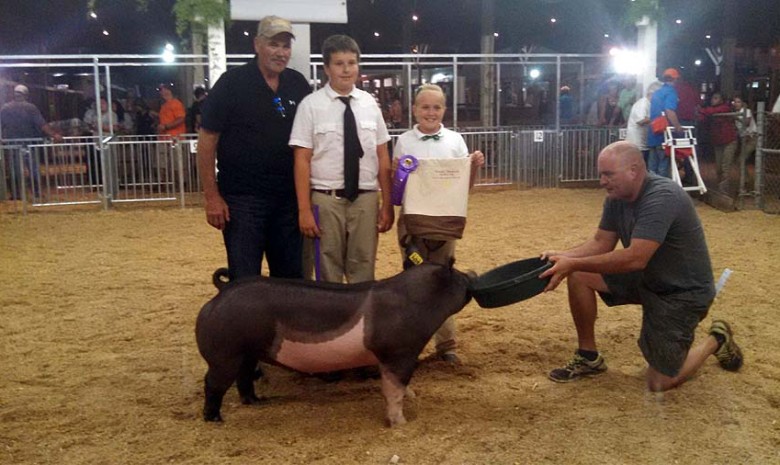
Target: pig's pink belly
<point x="345" y="351"/>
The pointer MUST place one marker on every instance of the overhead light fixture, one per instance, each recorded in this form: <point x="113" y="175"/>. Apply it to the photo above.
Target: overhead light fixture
<point x="168" y="55"/>
<point x="627" y="61"/>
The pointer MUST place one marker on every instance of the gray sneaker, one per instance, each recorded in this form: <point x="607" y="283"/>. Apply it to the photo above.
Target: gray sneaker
<point x="578" y="367"/>
<point x="729" y="354"/>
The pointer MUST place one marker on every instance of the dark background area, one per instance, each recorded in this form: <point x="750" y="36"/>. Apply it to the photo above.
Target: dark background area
<point x="46" y="27"/>
<point x="41" y="27"/>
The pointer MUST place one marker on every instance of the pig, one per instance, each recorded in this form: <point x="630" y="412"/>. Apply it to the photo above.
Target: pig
<point x="315" y="327"/>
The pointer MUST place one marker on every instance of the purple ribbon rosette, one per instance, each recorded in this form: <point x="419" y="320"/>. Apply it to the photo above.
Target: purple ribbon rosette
<point x="406" y="164"/>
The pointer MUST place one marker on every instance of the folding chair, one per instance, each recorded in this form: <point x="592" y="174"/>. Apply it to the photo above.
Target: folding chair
<point x="682" y="149"/>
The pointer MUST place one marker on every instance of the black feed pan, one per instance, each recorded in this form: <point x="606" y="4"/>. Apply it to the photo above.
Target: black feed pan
<point x="510" y="283"/>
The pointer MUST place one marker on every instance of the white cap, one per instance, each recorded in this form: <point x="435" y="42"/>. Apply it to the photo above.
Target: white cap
<point x="21" y="89"/>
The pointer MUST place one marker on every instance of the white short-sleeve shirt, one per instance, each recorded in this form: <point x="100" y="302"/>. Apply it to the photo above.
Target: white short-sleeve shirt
<point x="449" y="145"/>
<point x="635" y="133"/>
<point x="319" y="125"/>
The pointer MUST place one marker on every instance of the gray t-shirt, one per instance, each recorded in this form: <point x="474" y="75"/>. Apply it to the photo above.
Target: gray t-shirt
<point x="21" y="120"/>
<point x="664" y="213"/>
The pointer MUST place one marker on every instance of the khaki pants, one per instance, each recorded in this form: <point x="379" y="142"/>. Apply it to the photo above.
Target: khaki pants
<point x="435" y="252"/>
<point x="748" y="146"/>
<point x="348" y="240"/>
<point x="724" y="158"/>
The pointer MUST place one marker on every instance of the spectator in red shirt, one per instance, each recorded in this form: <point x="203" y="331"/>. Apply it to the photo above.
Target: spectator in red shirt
<point x="723" y="134"/>
<point x="689" y="100"/>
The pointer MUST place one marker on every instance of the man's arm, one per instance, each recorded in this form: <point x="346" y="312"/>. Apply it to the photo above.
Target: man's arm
<point x="672" y="116"/>
<point x="386" y="212"/>
<point x="302" y="173"/>
<point x="49" y="131"/>
<point x="601" y="242"/>
<point x="167" y="127"/>
<point x="633" y="258"/>
<point x="217" y="212"/>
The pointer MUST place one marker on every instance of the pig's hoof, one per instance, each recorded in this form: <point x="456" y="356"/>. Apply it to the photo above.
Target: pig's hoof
<point x="396" y="421"/>
<point x="251" y="400"/>
<point x="216" y="417"/>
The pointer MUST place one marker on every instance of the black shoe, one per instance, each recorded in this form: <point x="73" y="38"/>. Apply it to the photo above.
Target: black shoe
<point x="578" y="367"/>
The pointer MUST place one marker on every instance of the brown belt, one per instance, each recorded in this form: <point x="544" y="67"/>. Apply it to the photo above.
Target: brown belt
<point x="339" y="193"/>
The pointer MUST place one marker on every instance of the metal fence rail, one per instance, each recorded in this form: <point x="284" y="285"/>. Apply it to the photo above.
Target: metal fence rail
<point x="125" y="169"/>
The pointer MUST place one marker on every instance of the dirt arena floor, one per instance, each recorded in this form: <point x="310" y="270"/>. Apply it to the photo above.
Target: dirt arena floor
<point x="99" y="363"/>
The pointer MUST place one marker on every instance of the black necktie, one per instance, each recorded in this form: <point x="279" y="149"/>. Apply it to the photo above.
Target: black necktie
<point x="353" y="151"/>
<point x="436" y="136"/>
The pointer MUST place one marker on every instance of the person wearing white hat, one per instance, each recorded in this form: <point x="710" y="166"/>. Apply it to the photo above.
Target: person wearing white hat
<point x="22" y="120"/>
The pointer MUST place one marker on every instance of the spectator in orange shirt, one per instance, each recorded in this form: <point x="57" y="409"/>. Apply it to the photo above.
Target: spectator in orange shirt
<point x="172" y="113"/>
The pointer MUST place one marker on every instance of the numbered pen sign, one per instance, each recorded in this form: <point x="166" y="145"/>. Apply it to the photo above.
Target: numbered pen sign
<point x="538" y="136"/>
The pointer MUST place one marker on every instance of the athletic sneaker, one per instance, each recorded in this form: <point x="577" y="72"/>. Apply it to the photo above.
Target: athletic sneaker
<point x="578" y="367"/>
<point x="729" y="354"/>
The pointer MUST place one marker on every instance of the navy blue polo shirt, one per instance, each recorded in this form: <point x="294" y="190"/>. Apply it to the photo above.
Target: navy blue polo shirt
<point x="253" y="155"/>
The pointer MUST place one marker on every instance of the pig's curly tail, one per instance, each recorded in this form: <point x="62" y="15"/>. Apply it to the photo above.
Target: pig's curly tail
<point x="220" y="278"/>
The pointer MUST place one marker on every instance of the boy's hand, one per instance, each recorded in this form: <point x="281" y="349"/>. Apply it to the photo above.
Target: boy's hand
<point x="307" y="224"/>
<point x="385" y="219"/>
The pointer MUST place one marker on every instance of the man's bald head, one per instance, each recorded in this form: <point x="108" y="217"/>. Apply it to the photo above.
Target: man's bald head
<point x="622" y="170"/>
<point x="625" y="153"/>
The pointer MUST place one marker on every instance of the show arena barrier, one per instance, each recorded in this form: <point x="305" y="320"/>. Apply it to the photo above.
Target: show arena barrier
<point x="138" y="169"/>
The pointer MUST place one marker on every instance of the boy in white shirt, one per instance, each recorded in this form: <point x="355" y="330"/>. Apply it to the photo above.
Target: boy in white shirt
<point x="349" y="213"/>
<point x="430" y="139"/>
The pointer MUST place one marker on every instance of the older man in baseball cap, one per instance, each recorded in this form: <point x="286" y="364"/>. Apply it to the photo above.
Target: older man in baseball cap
<point x="245" y="126"/>
<point x="22" y="120"/>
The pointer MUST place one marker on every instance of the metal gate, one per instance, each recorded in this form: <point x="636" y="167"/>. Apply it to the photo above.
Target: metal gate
<point x="767" y="165"/>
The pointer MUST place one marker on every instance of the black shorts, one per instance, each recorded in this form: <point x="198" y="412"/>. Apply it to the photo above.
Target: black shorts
<point x="668" y="321"/>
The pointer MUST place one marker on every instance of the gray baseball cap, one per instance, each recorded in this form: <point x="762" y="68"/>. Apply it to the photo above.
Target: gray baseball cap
<point x="273" y="25"/>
